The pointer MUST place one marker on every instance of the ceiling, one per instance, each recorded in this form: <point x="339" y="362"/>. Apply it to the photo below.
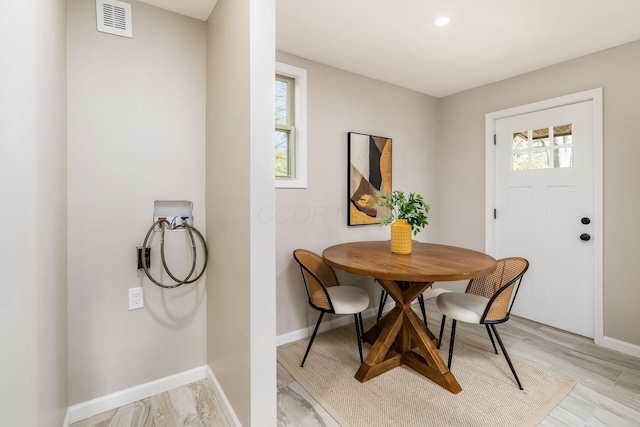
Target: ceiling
<point x="199" y="9"/>
<point x="486" y="41"/>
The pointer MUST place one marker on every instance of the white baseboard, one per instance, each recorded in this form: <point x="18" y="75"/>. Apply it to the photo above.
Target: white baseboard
<point x="222" y="399"/>
<point x="621" y="346"/>
<point x="111" y="401"/>
<point x="303" y="333"/>
<point x="66" y="422"/>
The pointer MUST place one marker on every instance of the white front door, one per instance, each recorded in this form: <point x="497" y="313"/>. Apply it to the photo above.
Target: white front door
<point x="544" y="211"/>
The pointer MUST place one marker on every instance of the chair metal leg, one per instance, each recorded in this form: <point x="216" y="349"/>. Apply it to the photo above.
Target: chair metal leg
<point x="444" y="318"/>
<point x="424" y="311"/>
<point x="453" y="335"/>
<point x="506" y="356"/>
<point x="313" y="336"/>
<point x="383" y="301"/>
<point x="358" y="336"/>
<point x="491" y="338"/>
<point x="361" y="325"/>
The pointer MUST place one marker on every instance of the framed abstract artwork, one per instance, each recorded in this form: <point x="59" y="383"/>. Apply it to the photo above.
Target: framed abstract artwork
<point x="369" y="173"/>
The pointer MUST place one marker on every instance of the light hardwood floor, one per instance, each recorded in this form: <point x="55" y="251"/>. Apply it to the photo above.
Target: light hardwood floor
<point x="193" y="405"/>
<point x="607" y="391"/>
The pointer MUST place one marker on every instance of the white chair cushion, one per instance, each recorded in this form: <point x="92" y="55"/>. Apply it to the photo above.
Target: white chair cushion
<point x="462" y="306"/>
<point x="348" y="299"/>
<point x="434" y="292"/>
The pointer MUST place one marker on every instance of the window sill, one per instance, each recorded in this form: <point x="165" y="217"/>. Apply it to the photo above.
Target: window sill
<point x="291" y="183"/>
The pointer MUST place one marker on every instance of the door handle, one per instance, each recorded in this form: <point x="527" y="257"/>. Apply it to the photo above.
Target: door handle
<point x="585" y="237"/>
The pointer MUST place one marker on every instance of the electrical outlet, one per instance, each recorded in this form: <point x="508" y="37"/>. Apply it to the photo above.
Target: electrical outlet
<point x="136" y="298"/>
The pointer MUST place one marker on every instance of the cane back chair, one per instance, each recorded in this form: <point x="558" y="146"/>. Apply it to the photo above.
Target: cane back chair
<point x="487" y="301"/>
<point x="327" y="296"/>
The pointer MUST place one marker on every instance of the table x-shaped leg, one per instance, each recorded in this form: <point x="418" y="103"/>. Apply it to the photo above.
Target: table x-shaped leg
<point x="392" y="336"/>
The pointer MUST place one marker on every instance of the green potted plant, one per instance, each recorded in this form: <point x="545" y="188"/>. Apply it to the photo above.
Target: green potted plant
<point x="406" y="215"/>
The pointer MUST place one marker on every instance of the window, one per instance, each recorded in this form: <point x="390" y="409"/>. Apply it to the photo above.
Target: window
<point x="285" y="127"/>
<point x="290" y="126"/>
<point x="545" y="148"/>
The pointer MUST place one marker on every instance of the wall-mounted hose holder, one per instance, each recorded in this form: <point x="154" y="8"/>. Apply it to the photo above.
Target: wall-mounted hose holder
<point x="161" y="225"/>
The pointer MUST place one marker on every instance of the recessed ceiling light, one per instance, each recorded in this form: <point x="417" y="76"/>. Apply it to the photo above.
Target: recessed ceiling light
<point x="443" y="20"/>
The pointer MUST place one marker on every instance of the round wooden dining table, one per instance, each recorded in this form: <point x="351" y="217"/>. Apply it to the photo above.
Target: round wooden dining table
<point x="405" y="277"/>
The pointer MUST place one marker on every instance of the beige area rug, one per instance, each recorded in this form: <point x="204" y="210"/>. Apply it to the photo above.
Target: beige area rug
<point x="401" y="397"/>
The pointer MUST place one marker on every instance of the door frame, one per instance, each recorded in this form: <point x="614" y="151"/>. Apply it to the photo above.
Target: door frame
<point x="594" y="95"/>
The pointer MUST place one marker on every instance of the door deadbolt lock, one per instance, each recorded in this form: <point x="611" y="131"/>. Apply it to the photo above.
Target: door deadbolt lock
<point x="585" y="221"/>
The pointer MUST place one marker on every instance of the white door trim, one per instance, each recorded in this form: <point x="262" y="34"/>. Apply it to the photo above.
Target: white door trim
<point x="594" y="95"/>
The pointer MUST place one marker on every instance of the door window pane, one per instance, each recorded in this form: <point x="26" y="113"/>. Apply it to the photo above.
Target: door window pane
<point x="520" y="140"/>
<point x="540" y="138"/>
<point x="563" y="157"/>
<point x="562" y="135"/>
<point x="540" y="159"/>
<point x="520" y="161"/>
<point x="543" y="148"/>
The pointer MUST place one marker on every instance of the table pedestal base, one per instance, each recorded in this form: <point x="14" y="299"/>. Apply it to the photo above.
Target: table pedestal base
<point x="391" y="339"/>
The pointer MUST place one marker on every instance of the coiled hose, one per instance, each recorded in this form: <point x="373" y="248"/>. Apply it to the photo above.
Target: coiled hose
<point x="163" y="224"/>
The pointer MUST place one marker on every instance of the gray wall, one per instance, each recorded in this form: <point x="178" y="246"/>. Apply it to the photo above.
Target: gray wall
<point x="316" y="217"/>
<point x="33" y="190"/>
<point x="136" y="134"/>
<point x="461" y="148"/>
<point x="436" y="139"/>
<point x="240" y="183"/>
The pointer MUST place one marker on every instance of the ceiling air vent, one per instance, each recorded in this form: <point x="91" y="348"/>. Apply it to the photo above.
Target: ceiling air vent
<point x="114" y="17"/>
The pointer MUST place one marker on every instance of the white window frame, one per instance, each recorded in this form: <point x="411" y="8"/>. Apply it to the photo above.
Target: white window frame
<point x="299" y="75"/>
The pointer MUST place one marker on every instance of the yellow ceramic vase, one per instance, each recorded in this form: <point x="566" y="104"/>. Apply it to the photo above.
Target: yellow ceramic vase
<point x="401" y="237"/>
